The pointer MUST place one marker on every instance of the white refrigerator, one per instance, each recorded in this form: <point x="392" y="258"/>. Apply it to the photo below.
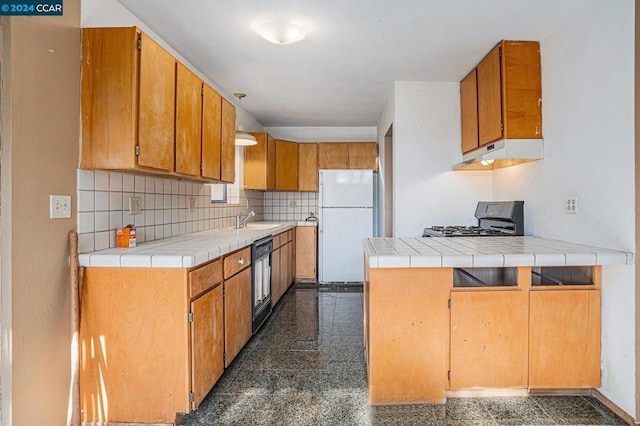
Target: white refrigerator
<point x="346" y="200"/>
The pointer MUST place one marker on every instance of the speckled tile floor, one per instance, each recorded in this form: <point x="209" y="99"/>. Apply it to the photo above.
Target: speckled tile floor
<point x="306" y="367"/>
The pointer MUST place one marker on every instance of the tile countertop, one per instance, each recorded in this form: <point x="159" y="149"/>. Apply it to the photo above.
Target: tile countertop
<point x="468" y="252"/>
<point x="186" y="250"/>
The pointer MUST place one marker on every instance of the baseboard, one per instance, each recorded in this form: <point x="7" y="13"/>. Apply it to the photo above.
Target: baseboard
<point x="480" y="393"/>
<point x="613" y="407"/>
<point x="561" y="392"/>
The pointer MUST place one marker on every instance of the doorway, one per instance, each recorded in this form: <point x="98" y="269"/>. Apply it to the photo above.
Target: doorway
<point x="387" y="183"/>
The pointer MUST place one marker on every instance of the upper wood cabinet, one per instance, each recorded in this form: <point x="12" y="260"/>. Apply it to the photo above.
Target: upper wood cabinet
<point x="509" y="95"/>
<point x="211" y="132"/>
<point x="308" y="167"/>
<point x="286" y="166"/>
<point x="333" y="155"/>
<point x="363" y="155"/>
<point x="293" y="166"/>
<point x="188" y="121"/>
<point x="469" y="111"/>
<point x="228" y="141"/>
<point x="128" y="101"/>
<point x="260" y="163"/>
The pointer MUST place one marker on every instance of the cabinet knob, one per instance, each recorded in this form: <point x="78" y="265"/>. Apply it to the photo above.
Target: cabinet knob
<point x="241" y="262"/>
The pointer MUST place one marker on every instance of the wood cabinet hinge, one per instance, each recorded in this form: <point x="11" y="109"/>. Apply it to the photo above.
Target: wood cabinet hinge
<point x="137" y="150"/>
<point x="201" y="166"/>
<point x="190" y="317"/>
<point x="449" y="375"/>
<point x="500" y="52"/>
<point x="202" y="90"/>
<point x="449" y="303"/>
<point x="224" y="357"/>
<point x="502" y="127"/>
<point x="192" y="397"/>
<point x="139" y="45"/>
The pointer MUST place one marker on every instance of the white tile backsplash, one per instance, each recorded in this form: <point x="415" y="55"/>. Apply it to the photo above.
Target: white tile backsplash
<point x="103" y="206"/>
<point x="278" y="205"/>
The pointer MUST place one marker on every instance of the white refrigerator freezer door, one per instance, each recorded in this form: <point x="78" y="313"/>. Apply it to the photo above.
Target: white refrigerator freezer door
<point x="346" y="188"/>
<point x="342" y="231"/>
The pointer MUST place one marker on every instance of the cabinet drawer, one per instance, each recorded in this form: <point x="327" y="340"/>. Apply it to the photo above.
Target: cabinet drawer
<point x="204" y="278"/>
<point x="278" y="240"/>
<point x="236" y="262"/>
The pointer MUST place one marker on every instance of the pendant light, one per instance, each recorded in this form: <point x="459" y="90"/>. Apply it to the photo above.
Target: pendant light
<point x="243" y="138"/>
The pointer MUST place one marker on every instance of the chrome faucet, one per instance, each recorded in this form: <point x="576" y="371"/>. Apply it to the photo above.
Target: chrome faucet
<point x="242" y="221"/>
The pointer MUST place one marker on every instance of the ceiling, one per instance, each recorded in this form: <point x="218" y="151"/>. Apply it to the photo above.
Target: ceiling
<point x="342" y="73"/>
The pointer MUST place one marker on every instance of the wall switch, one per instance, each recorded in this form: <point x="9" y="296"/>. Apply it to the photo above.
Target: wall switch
<point x="135" y="205"/>
<point x="293" y="203"/>
<point x="59" y="206"/>
<point x="192" y="204"/>
<point x="571" y="205"/>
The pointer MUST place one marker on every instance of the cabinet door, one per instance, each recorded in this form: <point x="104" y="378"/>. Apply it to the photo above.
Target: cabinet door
<point x="469" y="112"/>
<point x="237" y="313"/>
<point x="188" y="121"/>
<point x="207" y="343"/>
<point x="211" y="133"/>
<point x="228" y="141"/>
<point x="306" y="251"/>
<point x="109" y="104"/>
<point x="363" y="155"/>
<point x="286" y="166"/>
<point x="156" y="109"/>
<point x="255" y="163"/>
<point x="284" y="268"/>
<point x="522" y="90"/>
<point x="275" y="277"/>
<point x="332" y="155"/>
<point x="308" y="167"/>
<point x="271" y="162"/>
<point x="564" y="333"/>
<point x="488" y="339"/>
<point x="489" y="98"/>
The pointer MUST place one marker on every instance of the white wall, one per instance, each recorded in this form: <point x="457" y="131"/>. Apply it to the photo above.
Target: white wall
<point x="588" y="128"/>
<point x="426" y="134"/>
<point x="324" y="134"/>
<point x="111" y="13"/>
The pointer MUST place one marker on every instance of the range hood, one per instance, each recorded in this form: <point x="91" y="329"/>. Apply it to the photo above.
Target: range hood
<point x="503" y="153"/>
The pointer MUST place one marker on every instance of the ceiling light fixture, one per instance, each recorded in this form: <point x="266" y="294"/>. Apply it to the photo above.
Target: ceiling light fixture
<point x="243" y="138"/>
<point x="281" y="32"/>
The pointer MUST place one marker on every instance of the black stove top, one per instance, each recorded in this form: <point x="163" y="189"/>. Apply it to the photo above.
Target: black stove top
<point x="495" y="218"/>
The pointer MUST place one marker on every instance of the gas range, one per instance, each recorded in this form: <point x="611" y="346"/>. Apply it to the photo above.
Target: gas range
<point x="495" y="219"/>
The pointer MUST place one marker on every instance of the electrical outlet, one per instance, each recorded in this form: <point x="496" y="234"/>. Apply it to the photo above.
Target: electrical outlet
<point x="135" y="205"/>
<point x="571" y="205"/>
<point x="293" y="203"/>
<point x="192" y="204"/>
<point x="59" y="206"/>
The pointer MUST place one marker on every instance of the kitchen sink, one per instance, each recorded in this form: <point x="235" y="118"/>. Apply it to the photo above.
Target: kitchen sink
<point x="263" y="226"/>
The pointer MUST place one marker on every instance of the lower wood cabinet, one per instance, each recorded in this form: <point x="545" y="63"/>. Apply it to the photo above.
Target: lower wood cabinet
<point x="488" y="339"/>
<point x="306" y="252"/>
<point x="564" y="335"/>
<point x="282" y="264"/>
<point x="153" y="341"/>
<point x="207" y="343"/>
<point x="275" y="276"/>
<point x="237" y="313"/>
<point x="135" y="345"/>
<point x="237" y="302"/>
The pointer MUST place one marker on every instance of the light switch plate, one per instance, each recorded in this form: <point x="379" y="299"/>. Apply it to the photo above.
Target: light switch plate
<point x="135" y="205"/>
<point x="192" y="204"/>
<point x="59" y="206"/>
